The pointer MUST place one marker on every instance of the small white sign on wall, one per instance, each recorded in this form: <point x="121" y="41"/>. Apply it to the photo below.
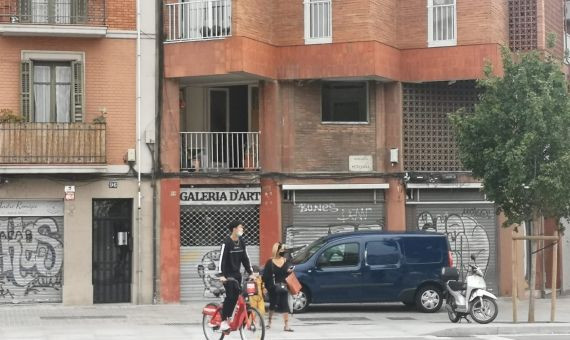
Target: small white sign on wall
<point x="360" y="163"/>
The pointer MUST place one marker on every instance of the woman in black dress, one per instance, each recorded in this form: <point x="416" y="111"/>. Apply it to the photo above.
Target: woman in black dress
<point x="276" y="270"/>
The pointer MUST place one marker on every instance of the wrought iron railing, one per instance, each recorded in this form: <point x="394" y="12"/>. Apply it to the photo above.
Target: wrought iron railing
<point x="52" y="143"/>
<point x="198" y="20"/>
<point x="219" y="151"/>
<point x="53" y="12"/>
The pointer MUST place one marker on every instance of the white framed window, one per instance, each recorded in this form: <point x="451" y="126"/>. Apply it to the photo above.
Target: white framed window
<point x="318" y="21"/>
<point x="442" y="23"/>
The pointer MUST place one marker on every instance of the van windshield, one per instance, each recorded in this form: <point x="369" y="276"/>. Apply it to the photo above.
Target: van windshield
<point x="304" y="254"/>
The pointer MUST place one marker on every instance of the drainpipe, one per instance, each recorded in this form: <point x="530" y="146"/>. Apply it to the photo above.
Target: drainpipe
<point x="139" y="156"/>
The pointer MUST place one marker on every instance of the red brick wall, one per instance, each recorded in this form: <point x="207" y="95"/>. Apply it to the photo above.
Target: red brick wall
<point x="384" y="21"/>
<point x="326" y="147"/>
<point x="288" y="23"/>
<point x="554" y="23"/>
<point x="253" y="19"/>
<point x="476" y="22"/>
<point x="121" y="15"/>
<point x="109" y="82"/>
<point x="500" y="21"/>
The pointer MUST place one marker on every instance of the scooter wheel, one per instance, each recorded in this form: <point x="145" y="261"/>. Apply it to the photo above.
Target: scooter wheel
<point x="484" y="310"/>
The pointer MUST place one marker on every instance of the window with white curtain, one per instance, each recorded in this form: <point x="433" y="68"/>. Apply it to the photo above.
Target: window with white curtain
<point x="52" y="92"/>
<point x="442" y="23"/>
<point x="51" y="11"/>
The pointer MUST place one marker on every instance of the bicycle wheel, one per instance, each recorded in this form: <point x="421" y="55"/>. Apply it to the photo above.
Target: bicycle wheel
<point x="211" y="333"/>
<point x="255" y="328"/>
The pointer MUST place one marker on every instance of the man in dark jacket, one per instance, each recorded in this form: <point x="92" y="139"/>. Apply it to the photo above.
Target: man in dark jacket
<point x="232" y="255"/>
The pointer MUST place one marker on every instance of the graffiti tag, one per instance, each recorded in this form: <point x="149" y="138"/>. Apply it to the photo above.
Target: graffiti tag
<point x="343" y="214"/>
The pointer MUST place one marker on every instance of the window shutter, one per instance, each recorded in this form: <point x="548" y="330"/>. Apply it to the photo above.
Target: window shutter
<point x="26" y="89"/>
<point x="79" y="12"/>
<point x="25" y="11"/>
<point x="77" y="96"/>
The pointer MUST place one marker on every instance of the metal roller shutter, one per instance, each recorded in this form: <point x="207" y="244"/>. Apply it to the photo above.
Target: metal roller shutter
<point x="203" y="228"/>
<point x="31" y="251"/>
<point x="471" y="228"/>
<point x="309" y="215"/>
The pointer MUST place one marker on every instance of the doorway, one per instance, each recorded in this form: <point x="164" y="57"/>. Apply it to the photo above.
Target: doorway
<point x="112" y="250"/>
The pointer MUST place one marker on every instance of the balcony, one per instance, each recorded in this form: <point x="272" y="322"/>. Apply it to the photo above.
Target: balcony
<point x="219" y="151"/>
<point x="52" y="144"/>
<point x="62" y="18"/>
<point x="198" y="20"/>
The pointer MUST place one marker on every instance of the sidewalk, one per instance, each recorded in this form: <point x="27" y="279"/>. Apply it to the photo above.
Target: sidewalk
<point x="321" y="322"/>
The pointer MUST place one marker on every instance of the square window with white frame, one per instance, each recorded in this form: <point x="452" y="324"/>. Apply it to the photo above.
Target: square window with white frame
<point x="345" y="102"/>
<point x="442" y="23"/>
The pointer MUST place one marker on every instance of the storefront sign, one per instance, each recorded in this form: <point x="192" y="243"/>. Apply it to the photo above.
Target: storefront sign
<point x="219" y="196"/>
<point x="362" y="163"/>
<point x="21" y="208"/>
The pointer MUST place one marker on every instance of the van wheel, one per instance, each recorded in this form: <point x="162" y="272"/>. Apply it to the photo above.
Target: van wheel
<point x="301" y="301"/>
<point x="429" y="299"/>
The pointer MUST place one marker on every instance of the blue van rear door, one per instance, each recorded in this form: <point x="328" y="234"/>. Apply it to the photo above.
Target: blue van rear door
<point x="382" y="274"/>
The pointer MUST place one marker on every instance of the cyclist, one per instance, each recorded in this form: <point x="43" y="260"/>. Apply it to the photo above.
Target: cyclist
<point x="232" y="255"/>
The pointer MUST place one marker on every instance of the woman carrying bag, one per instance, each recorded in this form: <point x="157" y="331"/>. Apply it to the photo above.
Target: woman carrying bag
<point x="276" y="270"/>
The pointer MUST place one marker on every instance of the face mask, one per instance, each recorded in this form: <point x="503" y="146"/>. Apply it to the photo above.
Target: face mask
<point x="240" y="233"/>
<point x="282" y="253"/>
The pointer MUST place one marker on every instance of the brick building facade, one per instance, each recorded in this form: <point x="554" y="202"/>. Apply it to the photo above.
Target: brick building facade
<point x="335" y="113"/>
<point x="72" y="227"/>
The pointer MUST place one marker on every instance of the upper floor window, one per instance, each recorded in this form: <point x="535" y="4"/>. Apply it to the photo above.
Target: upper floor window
<point x="442" y="24"/>
<point x="53" y="11"/>
<point x="52" y="89"/>
<point x="318" y="21"/>
<point x="345" y="102"/>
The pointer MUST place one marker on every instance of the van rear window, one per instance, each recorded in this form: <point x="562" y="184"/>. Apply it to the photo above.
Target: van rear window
<point x="423" y="249"/>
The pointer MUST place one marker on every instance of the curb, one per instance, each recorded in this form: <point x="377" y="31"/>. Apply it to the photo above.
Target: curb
<point x="537" y="328"/>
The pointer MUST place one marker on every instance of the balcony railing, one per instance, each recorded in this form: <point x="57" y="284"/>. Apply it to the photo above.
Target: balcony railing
<point x="52" y="143"/>
<point x="219" y="151"/>
<point x="198" y="20"/>
<point x="53" y="12"/>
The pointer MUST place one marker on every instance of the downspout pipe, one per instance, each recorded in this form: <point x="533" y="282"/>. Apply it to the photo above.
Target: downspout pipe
<point x="139" y="157"/>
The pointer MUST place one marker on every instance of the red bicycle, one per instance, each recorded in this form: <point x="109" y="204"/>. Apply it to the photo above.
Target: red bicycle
<point x="245" y="318"/>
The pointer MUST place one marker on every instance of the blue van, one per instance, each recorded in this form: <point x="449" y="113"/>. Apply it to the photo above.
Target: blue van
<point x="373" y="266"/>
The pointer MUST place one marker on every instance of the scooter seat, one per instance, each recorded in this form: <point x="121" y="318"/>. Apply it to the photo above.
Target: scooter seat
<point x="457" y="285"/>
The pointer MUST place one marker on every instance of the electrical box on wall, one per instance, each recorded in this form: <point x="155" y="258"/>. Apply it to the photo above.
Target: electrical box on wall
<point x="393" y="156"/>
<point x="131" y="155"/>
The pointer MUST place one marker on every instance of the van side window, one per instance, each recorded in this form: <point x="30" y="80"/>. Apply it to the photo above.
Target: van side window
<point x="382" y="253"/>
<point x="341" y="255"/>
<point x="422" y="250"/>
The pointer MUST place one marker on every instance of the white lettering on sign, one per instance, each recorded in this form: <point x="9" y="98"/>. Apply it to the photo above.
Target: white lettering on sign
<point x="31" y="208"/>
<point x="360" y="163"/>
<point x="346" y="214"/>
<point x="219" y="196"/>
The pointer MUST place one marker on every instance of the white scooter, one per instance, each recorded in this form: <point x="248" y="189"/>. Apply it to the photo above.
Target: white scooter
<point x="471" y="297"/>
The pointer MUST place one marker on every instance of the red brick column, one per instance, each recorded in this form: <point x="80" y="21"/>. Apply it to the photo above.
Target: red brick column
<point x="269" y="218"/>
<point x="170" y="240"/>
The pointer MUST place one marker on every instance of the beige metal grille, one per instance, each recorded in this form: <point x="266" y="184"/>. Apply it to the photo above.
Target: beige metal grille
<point x="208" y="225"/>
<point x="523" y="25"/>
<point x="429" y="142"/>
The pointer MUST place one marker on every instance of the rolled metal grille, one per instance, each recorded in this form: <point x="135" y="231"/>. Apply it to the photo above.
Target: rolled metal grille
<point x="208" y="225"/>
<point x="429" y="142"/>
<point x="523" y="25"/>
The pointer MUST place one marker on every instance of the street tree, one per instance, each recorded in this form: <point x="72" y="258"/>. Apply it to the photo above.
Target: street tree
<point x="517" y="140"/>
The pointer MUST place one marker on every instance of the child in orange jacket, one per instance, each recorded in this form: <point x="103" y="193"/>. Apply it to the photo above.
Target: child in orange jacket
<point x="257" y="300"/>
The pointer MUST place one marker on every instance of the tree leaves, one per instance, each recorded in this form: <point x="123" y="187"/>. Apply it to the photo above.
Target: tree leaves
<point x="517" y="141"/>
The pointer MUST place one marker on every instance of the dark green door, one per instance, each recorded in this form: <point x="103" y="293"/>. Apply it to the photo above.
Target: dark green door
<point x="112" y="250"/>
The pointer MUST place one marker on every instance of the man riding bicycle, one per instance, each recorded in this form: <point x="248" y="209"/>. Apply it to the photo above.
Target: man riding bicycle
<point x="232" y="255"/>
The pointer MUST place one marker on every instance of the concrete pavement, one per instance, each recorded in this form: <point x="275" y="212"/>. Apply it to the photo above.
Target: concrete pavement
<point x="331" y="322"/>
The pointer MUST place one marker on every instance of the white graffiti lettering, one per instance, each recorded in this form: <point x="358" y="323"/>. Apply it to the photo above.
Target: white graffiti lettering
<point x="30" y="254"/>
